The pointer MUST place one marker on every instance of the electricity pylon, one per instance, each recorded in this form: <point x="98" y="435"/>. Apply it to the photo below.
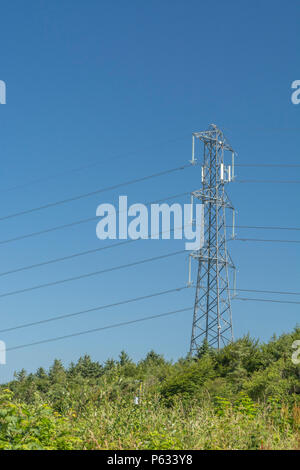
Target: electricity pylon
<point x="212" y="320"/>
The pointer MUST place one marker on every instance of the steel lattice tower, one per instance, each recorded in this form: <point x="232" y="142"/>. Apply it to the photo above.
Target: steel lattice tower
<point x="212" y="320"/>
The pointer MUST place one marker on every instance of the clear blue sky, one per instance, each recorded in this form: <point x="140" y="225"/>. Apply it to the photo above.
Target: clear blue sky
<point x="125" y="84"/>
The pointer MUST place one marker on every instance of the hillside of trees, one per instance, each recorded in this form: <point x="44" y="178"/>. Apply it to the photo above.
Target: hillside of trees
<point x="246" y="396"/>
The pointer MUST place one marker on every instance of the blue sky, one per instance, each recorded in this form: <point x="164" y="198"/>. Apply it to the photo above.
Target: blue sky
<point x="122" y="86"/>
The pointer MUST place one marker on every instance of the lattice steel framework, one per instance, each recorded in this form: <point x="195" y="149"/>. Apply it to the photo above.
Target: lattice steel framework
<point x="212" y="320"/>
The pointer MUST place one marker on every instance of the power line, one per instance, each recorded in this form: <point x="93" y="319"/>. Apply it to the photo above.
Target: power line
<point x="267" y="291"/>
<point x="84" y="253"/>
<point x="95" y="273"/>
<point x="265" y="130"/>
<point x="269" y="300"/>
<point x="93" y="219"/>
<point x="98" y="191"/>
<point x="93" y="164"/>
<point x="89" y="165"/>
<point x="80" y="333"/>
<point x="264" y="240"/>
<point x="80" y="221"/>
<point x="268" y="165"/>
<point x="127" y="301"/>
<point x="115" y="245"/>
<point x="118" y="156"/>
<point x="264" y="227"/>
<point x="268" y="181"/>
<point x="65" y="258"/>
<point x="95" y="309"/>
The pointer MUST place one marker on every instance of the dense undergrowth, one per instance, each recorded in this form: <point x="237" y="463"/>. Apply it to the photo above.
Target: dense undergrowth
<point x="247" y="396"/>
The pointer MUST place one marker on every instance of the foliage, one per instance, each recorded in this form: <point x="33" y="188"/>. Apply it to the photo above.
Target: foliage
<point x="245" y="396"/>
<point x="32" y="428"/>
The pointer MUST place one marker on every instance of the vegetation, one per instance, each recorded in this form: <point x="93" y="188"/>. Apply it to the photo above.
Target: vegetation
<point x="247" y="396"/>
